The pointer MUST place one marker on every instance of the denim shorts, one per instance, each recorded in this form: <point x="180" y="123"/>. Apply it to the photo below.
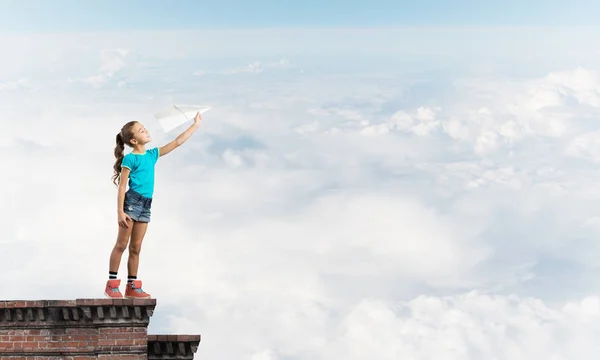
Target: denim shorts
<point x="137" y="206"/>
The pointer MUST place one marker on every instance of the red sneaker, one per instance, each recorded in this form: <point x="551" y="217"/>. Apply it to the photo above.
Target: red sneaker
<point x="134" y="291"/>
<point x="112" y="289"/>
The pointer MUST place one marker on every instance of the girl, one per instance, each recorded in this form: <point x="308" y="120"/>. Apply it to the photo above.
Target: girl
<point x="133" y="205"/>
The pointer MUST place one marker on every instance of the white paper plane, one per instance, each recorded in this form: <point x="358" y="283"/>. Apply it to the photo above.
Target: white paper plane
<point x="178" y="115"/>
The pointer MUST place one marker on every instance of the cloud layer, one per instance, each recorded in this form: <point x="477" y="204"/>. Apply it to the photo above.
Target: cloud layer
<point x="389" y="207"/>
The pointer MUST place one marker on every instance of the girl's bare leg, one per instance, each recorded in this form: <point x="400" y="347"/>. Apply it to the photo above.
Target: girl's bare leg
<point x="117" y="251"/>
<point x="135" y="246"/>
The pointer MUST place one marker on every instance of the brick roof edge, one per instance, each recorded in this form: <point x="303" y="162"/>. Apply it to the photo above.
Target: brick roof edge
<point x="172" y="346"/>
<point x="48" y="313"/>
<point x="73" y="303"/>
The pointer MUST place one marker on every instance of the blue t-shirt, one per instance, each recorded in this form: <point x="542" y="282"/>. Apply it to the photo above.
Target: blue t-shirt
<point x="141" y="178"/>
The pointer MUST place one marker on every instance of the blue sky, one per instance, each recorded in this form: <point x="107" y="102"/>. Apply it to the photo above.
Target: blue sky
<point x="74" y="15"/>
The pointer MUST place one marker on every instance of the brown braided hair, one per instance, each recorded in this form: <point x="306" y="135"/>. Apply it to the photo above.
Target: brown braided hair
<point x="123" y="137"/>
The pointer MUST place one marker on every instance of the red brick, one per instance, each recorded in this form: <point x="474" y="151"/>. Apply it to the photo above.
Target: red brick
<point x="14" y="304"/>
<point x="122" y="335"/>
<point x="24" y="345"/>
<point x="106" y="342"/>
<point x="94" y="302"/>
<point x="125" y="342"/>
<point x="55" y="345"/>
<point x="38" y="338"/>
<point x="59" y="303"/>
<point x="144" y="302"/>
<point x="84" y="337"/>
<point x="32" y="332"/>
<point x="112" y="330"/>
<point x="82" y="331"/>
<point x="34" y="304"/>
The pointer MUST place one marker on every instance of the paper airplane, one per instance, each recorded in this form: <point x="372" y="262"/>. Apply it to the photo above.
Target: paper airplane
<point x="178" y="115"/>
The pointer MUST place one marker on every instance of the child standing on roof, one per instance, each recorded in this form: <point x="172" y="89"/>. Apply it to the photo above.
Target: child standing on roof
<point x="133" y="205"/>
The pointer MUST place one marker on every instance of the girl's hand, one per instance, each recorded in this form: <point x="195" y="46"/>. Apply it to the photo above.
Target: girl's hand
<point x="124" y="220"/>
<point x="183" y="137"/>
<point x="197" y="118"/>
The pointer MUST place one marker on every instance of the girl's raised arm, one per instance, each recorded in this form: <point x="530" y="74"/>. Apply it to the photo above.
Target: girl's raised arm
<point x="183" y="137"/>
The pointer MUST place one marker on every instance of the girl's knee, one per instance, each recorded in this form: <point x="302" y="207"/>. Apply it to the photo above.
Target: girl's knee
<point x="134" y="250"/>
<point x="120" y="247"/>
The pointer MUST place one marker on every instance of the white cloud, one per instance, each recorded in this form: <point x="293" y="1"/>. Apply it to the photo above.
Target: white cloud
<point x="255" y="67"/>
<point x="366" y="212"/>
<point x="19" y="84"/>
<point x="421" y="122"/>
<point x="470" y="326"/>
<point x="586" y="146"/>
<point x="112" y="61"/>
<point x="537" y="107"/>
<point x="264" y="355"/>
<point x="579" y="83"/>
<point x="466" y="326"/>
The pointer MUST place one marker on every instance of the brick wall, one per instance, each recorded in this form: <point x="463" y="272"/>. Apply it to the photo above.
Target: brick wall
<point x="86" y="329"/>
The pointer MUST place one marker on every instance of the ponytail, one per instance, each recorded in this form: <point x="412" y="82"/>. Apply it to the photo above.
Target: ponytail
<point x="119" y="154"/>
<point x="123" y="138"/>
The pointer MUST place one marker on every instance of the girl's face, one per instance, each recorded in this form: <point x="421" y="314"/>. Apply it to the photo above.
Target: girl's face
<point x="140" y="135"/>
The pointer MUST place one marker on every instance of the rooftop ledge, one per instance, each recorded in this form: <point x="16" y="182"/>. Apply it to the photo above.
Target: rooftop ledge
<point x="172" y="346"/>
<point x="97" y="312"/>
<point x="87" y="328"/>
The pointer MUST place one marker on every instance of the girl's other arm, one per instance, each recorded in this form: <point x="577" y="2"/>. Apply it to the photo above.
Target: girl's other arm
<point x="183" y="137"/>
<point x="123" y="218"/>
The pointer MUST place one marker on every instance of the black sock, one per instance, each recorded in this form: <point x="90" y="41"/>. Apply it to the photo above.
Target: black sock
<point x="112" y="275"/>
<point x="130" y="279"/>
